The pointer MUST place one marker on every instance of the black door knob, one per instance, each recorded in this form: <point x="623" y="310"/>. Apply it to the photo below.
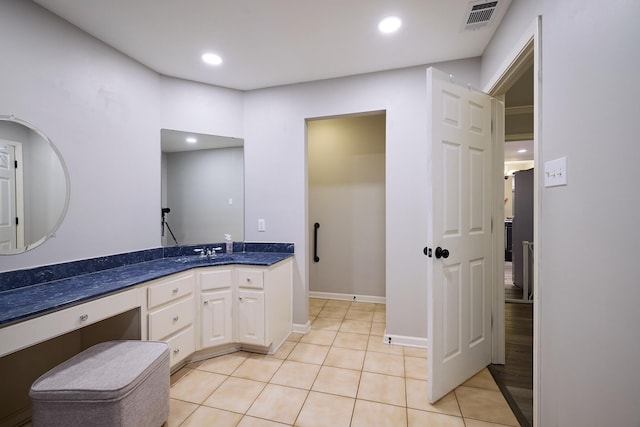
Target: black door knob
<point x="442" y="253"/>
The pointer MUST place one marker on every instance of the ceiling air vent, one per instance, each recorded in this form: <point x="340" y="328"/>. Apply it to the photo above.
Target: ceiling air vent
<point x="481" y="13"/>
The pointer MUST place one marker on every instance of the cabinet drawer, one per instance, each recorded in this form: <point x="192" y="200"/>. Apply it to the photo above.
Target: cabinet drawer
<point x="181" y="345"/>
<point x="215" y="279"/>
<point x="248" y="278"/>
<point x="170" y="289"/>
<point x="34" y="331"/>
<point x="167" y="320"/>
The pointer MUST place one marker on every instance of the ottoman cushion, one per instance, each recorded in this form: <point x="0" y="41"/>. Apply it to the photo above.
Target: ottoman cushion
<point x="112" y="383"/>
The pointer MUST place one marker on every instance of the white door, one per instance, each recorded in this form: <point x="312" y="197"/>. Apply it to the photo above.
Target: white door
<point x="8" y="227"/>
<point x="460" y="200"/>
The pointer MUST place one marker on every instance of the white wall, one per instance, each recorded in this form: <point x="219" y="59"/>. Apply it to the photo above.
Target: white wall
<point x="199" y="186"/>
<point x="100" y="109"/>
<point x="276" y="180"/>
<point x="346" y="170"/>
<point x="104" y="113"/>
<point x="588" y="292"/>
<point x="200" y="108"/>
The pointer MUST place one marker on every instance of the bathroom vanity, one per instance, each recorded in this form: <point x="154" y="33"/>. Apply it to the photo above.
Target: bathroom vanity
<point x="193" y="303"/>
<point x="202" y="307"/>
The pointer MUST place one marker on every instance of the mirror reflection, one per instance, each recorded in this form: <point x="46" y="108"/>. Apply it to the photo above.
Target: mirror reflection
<point x="34" y="187"/>
<point x="202" y="188"/>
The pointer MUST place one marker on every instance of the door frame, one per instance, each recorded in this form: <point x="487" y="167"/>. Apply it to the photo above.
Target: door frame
<point x="526" y="51"/>
<point x="19" y="189"/>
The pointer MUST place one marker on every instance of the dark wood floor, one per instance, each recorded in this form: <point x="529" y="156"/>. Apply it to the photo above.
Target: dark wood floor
<point x="515" y="377"/>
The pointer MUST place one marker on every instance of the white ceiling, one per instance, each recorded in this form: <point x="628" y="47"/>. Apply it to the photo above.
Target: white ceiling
<point x="277" y="42"/>
<point x="511" y="149"/>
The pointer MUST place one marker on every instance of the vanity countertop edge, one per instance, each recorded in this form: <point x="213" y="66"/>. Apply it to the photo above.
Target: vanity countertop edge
<point x="24" y="303"/>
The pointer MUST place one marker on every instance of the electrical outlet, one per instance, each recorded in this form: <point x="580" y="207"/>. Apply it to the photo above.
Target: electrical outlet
<point x="261" y="225"/>
<point x="555" y="172"/>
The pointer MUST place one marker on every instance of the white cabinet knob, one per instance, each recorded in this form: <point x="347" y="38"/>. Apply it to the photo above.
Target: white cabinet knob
<point x="84" y="317"/>
<point x="175" y="319"/>
<point x="175" y="290"/>
<point x="176" y="351"/>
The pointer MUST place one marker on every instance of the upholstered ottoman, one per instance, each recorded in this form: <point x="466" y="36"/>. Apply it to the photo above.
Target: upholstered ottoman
<point x="115" y="383"/>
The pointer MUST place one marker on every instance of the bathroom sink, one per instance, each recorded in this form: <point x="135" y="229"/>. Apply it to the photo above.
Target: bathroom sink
<point x="197" y="259"/>
<point x="187" y="259"/>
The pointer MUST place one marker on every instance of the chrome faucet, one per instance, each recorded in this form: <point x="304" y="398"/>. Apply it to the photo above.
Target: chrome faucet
<point x="211" y="253"/>
<point x="208" y="253"/>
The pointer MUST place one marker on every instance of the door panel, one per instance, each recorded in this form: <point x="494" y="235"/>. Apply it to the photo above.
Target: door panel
<point x="453" y="315"/>
<point x="460" y="195"/>
<point x="451" y="191"/>
<point x="478" y="293"/>
<point x="8" y="228"/>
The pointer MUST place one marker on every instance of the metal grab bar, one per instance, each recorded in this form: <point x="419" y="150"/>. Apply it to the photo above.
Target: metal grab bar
<point x="315" y="242"/>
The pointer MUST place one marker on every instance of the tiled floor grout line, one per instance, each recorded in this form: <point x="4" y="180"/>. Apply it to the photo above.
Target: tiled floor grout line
<point x="368" y="349"/>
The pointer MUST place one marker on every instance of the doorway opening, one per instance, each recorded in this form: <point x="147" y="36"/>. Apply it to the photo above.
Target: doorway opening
<point x="515" y="377"/>
<point x="346" y="188"/>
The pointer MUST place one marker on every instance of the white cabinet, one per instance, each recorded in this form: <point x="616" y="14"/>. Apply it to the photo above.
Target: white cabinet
<point x="170" y="305"/>
<point x="264" y="304"/>
<point x="246" y="305"/>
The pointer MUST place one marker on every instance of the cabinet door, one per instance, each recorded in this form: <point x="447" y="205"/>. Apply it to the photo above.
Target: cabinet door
<point x="251" y="325"/>
<point x="217" y="325"/>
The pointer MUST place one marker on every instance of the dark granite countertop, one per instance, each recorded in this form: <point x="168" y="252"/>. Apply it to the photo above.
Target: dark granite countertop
<point x="26" y="302"/>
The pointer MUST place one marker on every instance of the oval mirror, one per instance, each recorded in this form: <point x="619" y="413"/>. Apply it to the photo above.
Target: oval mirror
<point x="34" y="187"/>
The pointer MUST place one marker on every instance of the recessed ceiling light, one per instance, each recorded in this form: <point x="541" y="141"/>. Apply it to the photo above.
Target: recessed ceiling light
<point x="390" y="24"/>
<point x="522" y="151"/>
<point x="191" y="140"/>
<point x="212" y="59"/>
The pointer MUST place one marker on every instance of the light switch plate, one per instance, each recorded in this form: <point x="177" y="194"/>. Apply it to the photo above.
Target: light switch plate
<point x="555" y="172"/>
<point x="261" y="225"/>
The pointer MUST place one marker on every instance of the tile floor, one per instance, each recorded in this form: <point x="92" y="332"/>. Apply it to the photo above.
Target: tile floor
<point x="338" y="374"/>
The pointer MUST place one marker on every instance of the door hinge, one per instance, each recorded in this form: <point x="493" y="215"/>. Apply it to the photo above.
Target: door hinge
<point x="17" y="221"/>
<point x="15" y="162"/>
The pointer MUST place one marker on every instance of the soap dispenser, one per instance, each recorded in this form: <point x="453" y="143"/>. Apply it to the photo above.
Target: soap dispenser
<point x="229" y="243"/>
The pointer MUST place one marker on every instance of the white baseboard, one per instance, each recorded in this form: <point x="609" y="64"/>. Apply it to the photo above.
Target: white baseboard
<point x="348" y="297"/>
<point x="300" y="328"/>
<point x="406" y="341"/>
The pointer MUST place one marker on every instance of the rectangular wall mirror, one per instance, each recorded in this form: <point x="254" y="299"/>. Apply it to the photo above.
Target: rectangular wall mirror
<point x="202" y="188"/>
